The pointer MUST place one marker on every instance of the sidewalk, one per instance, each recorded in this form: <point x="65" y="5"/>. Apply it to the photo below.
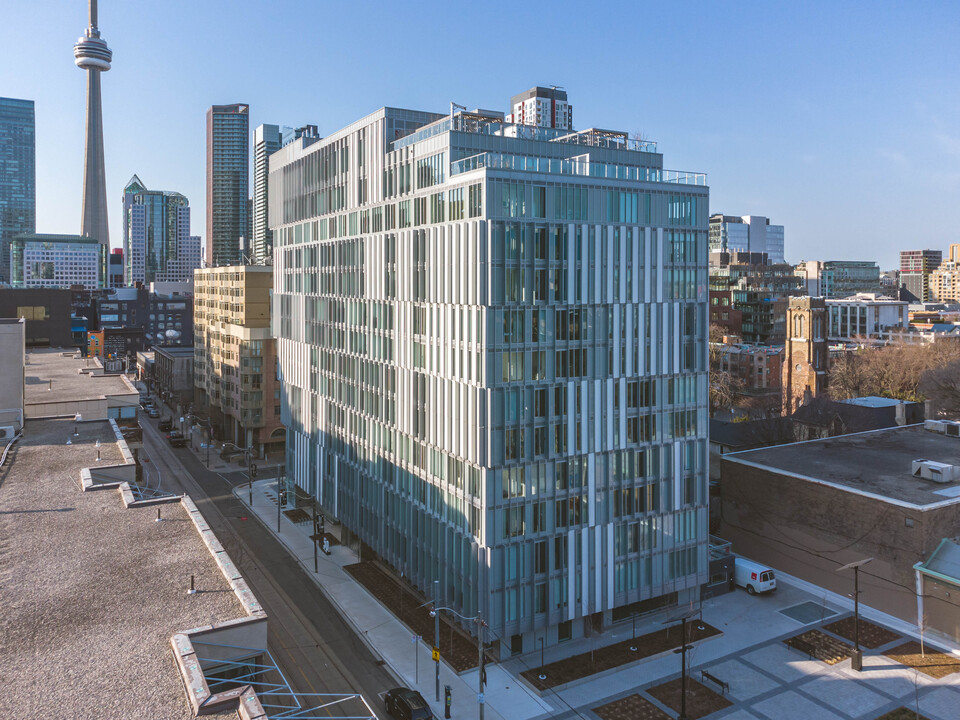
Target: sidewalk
<point x="407" y="657"/>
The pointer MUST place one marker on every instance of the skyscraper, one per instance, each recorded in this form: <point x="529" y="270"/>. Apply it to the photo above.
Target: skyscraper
<point x="18" y="176"/>
<point x="267" y="139"/>
<point x="157" y="244"/>
<point x="92" y="54"/>
<point x="228" y="198"/>
<point x="493" y="347"/>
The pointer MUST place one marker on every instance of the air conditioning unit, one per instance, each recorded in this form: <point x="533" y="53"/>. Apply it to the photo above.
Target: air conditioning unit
<point x="951" y="428"/>
<point x="935" y="471"/>
<point x="7" y="432"/>
<point x="937" y="426"/>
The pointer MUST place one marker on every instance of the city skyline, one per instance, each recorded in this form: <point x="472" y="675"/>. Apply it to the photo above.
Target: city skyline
<point x="789" y="111"/>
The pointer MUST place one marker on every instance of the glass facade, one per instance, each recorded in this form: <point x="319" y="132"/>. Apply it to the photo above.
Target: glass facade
<point x="18" y="194"/>
<point x="495" y="375"/>
<point x="228" y="200"/>
<point x="157" y="246"/>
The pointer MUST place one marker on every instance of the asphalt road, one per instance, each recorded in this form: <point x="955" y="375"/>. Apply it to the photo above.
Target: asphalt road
<point x="315" y="649"/>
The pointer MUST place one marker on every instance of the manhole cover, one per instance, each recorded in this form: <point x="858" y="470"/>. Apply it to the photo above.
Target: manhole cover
<point x="808" y="612"/>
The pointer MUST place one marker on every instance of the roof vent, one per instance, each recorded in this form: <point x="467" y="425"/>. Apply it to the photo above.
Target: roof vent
<point x="935" y="471"/>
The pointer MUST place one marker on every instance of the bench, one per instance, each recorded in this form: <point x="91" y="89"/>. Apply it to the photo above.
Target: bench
<point x="724" y="687"/>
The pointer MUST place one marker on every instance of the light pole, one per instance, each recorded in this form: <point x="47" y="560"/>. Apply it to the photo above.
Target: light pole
<point x="435" y="612"/>
<point x="856" y="662"/>
<point x="436" y="633"/>
<point x="683" y="658"/>
<point x="542" y="675"/>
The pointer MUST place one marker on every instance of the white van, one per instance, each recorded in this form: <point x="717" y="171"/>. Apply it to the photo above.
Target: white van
<point x="753" y="576"/>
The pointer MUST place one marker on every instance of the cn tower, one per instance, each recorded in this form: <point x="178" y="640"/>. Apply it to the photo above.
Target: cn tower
<point x="92" y="54"/>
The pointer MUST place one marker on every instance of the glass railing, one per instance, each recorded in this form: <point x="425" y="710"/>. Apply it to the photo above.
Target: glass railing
<point x="488" y="125"/>
<point x="581" y="166"/>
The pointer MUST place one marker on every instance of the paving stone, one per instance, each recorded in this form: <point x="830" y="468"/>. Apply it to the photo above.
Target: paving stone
<point x="745" y="682"/>
<point x="941" y="704"/>
<point x="786" y="664"/>
<point x="793" y="706"/>
<point x="845" y="695"/>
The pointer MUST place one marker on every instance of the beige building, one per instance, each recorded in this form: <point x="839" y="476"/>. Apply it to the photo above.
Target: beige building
<point x="945" y="280"/>
<point x="235" y="356"/>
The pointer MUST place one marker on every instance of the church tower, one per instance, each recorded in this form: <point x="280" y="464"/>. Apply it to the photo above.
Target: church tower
<point x="805" y="353"/>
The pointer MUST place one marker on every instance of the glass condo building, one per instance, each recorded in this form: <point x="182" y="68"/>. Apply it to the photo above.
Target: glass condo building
<point x="493" y="346"/>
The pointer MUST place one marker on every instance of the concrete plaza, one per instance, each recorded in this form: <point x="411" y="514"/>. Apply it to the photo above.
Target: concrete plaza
<point x="767" y="679"/>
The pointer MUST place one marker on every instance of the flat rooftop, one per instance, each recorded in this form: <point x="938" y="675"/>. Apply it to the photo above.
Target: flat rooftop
<point x="68" y="385"/>
<point x="877" y="462"/>
<point x="92" y="591"/>
<point x="873" y="401"/>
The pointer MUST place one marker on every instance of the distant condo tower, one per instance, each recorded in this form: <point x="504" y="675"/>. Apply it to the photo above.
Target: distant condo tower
<point x="92" y="54"/>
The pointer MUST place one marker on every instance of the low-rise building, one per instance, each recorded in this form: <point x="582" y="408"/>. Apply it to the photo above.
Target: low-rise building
<point x="866" y="316"/>
<point x="46" y="312"/>
<point x="173" y="374"/>
<point x="57" y="385"/>
<point x="809" y="508"/>
<point x="235" y="367"/>
<point x="832" y="279"/>
<point x="756" y="366"/>
<point x="57" y="261"/>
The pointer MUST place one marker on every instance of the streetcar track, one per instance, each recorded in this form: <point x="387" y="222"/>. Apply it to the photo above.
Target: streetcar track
<point x="286" y="630"/>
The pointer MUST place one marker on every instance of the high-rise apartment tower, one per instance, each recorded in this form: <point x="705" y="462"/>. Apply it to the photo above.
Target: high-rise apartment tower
<point x="18" y="176"/>
<point x="228" y="199"/>
<point x="493" y="348"/>
<point x="267" y="139"/>
<point x="916" y="267"/>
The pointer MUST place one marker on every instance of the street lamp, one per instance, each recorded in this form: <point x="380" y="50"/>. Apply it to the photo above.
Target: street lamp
<point x="856" y="662"/>
<point x="542" y="675"/>
<point x="435" y="614"/>
<point x="683" y="658"/>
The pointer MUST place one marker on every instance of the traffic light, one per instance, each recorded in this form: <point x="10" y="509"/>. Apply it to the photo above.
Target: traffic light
<point x="253" y="471"/>
<point x="283" y="497"/>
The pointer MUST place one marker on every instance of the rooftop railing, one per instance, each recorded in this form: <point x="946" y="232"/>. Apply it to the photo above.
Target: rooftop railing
<point x="581" y="166"/>
<point x="489" y="125"/>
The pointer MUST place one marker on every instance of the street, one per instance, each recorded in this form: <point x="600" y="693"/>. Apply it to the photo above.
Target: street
<point x="316" y="650"/>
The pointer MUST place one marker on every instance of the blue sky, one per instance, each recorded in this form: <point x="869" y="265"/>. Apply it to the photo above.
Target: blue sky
<point x="839" y="120"/>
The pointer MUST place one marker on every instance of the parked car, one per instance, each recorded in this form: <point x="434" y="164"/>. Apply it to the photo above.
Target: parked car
<point x="753" y="576"/>
<point x="174" y="434"/>
<point x="406" y="704"/>
<point x="153" y="412"/>
<point x="178" y="441"/>
<point x="165" y="424"/>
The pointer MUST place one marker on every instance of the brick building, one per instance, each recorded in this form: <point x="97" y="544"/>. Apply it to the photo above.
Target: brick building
<point x="808" y="508"/>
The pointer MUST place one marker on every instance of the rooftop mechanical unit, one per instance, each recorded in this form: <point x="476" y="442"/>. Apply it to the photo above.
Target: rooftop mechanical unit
<point x="935" y="471"/>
